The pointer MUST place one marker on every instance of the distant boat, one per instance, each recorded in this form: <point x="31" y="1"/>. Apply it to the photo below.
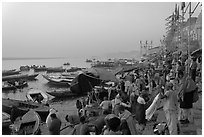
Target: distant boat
<point x="8" y="86"/>
<point x="24" y="68"/>
<point x="88" y="60"/>
<point x="58" y="80"/>
<point x="6" y="121"/>
<point x="103" y="64"/>
<point x="18" y="77"/>
<point x="34" y="95"/>
<point x="23" y="107"/>
<point x="29" y="124"/>
<point x="40" y="68"/>
<point x="73" y="69"/>
<point x="66" y="64"/>
<point x="10" y="72"/>
<point x="56" y="69"/>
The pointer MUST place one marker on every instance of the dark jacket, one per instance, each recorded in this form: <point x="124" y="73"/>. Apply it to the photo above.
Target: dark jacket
<point x="54" y="127"/>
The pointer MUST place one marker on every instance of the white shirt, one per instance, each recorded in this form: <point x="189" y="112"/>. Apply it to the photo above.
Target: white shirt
<point x="141" y="100"/>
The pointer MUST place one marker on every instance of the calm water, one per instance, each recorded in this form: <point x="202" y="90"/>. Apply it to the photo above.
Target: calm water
<point x="40" y="82"/>
<point x="15" y="64"/>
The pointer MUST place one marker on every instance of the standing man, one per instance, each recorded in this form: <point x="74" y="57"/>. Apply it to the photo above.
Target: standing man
<point x="193" y="68"/>
<point x="106" y="105"/>
<point x="54" y="127"/>
<point x="170" y="108"/>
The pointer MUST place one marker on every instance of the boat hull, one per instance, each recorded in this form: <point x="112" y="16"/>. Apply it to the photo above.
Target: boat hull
<point x="18" y="77"/>
<point x="55" y="82"/>
<point x="64" y="94"/>
<point x="29" y="124"/>
<point x="10" y="72"/>
<point x="15" y="87"/>
<point x="23" y="107"/>
<point x="60" y="69"/>
<point x="6" y="121"/>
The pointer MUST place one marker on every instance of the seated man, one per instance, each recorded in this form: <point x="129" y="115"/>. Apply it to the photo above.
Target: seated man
<point x="82" y="128"/>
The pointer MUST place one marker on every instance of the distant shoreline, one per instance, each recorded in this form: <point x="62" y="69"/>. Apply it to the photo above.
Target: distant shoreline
<point x="31" y="58"/>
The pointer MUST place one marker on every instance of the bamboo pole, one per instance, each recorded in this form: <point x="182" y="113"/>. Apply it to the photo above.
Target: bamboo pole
<point x="189" y="38"/>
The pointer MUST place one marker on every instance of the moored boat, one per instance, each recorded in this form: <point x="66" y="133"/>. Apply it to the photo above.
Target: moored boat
<point x="23" y="107"/>
<point x="73" y="69"/>
<point x="36" y="95"/>
<point x="58" y="80"/>
<point x="40" y="68"/>
<point x="66" y="64"/>
<point x="63" y="93"/>
<point x="6" y="121"/>
<point x="10" y="72"/>
<point x="56" y="69"/>
<point x="29" y="124"/>
<point x="88" y="60"/>
<point x="7" y="86"/>
<point x="21" y="76"/>
<point x="24" y="68"/>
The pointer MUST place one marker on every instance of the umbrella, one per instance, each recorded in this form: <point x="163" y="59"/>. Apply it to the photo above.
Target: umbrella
<point x="196" y="52"/>
<point x="102" y="74"/>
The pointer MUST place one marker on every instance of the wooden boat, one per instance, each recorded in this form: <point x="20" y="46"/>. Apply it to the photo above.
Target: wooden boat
<point x="63" y="93"/>
<point x="29" y="124"/>
<point x="10" y="72"/>
<point x="24" y="68"/>
<point x="36" y="95"/>
<point x="66" y="64"/>
<point x="56" y="69"/>
<point x="88" y="60"/>
<point x="63" y="81"/>
<point x="6" y="121"/>
<point x="21" y="76"/>
<point x="8" y="86"/>
<point x="23" y="107"/>
<point x="40" y="68"/>
<point x="73" y="69"/>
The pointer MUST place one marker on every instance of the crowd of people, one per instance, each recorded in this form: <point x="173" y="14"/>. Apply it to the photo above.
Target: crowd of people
<point x="172" y="83"/>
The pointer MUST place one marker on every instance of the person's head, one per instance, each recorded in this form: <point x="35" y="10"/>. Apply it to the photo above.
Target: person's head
<point x="82" y="119"/>
<point x="180" y="75"/>
<point x="179" y="63"/>
<point x="114" y="123"/>
<point x="53" y="116"/>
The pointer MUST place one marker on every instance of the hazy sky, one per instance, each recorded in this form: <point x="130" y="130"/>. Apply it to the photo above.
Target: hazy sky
<point x="80" y="29"/>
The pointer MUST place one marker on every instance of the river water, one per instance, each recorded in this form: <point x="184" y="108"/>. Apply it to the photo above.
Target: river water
<point x="40" y="82"/>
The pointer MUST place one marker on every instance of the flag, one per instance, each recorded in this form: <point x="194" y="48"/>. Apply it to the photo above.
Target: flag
<point x="173" y="17"/>
<point x="175" y="9"/>
<point x="177" y="14"/>
<point x="182" y="5"/>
